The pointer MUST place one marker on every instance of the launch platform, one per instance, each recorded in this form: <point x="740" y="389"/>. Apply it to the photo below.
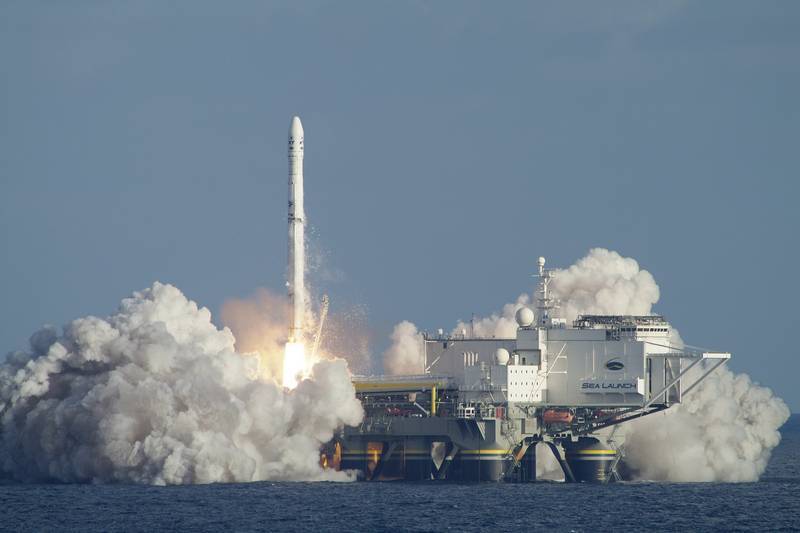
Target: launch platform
<point x="479" y="407"/>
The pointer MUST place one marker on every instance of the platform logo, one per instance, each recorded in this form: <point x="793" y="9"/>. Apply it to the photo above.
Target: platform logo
<point x="609" y="386"/>
<point x="615" y="364"/>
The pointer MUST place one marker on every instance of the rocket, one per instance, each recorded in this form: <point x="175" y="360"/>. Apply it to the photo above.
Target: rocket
<point x="296" y="267"/>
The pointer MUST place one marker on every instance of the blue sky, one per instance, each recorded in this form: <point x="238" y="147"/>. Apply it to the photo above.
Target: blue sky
<point x="449" y="144"/>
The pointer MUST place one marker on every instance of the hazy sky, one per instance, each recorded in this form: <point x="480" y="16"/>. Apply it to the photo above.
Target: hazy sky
<point x="449" y="144"/>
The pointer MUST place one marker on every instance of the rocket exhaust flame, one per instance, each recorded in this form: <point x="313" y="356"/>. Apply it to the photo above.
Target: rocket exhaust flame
<point x="294" y="364"/>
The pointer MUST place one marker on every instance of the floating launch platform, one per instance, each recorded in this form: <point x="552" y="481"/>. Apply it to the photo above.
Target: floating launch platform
<point x="479" y="407"/>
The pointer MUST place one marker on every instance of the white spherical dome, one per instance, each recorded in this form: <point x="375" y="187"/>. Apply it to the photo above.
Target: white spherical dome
<point x="501" y="356"/>
<point x="541" y="261"/>
<point x="524" y="317"/>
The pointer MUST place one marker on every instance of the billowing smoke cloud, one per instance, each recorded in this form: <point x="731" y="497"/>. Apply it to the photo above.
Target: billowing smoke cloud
<point x="498" y="325"/>
<point x="726" y="428"/>
<point x="157" y="394"/>
<point x="604" y="283"/>
<point x="405" y="355"/>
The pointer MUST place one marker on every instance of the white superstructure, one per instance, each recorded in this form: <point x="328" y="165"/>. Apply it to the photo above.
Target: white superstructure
<point x="599" y="361"/>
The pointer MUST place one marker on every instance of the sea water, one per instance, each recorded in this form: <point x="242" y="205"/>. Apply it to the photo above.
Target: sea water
<point x="772" y="504"/>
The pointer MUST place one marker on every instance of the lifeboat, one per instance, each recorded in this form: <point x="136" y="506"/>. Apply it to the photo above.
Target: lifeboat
<point x="556" y="416"/>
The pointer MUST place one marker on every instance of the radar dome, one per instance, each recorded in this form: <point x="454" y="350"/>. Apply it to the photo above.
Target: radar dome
<point x="524" y="317"/>
<point x="501" y="356"/>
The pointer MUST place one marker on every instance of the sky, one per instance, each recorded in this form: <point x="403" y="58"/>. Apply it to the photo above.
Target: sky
<point x="448" y="145"/>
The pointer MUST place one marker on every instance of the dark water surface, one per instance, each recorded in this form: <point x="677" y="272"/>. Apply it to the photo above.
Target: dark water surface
<point x="773" y="504"/>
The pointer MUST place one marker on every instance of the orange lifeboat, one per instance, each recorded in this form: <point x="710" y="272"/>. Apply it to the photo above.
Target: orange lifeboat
<point x="555" y="416"/>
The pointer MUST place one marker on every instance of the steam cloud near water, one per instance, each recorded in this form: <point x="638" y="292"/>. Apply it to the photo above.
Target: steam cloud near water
<point x="157" y="394"/>
<point x="725" y="429"/>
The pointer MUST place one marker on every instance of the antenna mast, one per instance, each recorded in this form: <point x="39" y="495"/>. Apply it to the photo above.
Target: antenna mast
<point x="544" y="303"/>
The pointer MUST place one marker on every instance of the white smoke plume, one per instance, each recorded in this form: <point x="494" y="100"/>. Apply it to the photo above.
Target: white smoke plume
<point x="157" y="394"/>
<point x="405" y="355"/>
<point x="604" y="283"/>
<point x="726" y="428"/>
<point x="501" y="325"/>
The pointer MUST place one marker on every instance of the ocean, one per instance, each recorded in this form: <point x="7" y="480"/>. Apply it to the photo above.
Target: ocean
<point x="772" y="504"/>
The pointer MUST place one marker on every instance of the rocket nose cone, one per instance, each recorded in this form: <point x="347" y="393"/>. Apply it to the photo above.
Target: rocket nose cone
<point x="296" y="128"/>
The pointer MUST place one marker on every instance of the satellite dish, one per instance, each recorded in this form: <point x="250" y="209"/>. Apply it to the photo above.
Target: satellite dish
<point x="501" y="356"/>
<point x="524" y="317"/>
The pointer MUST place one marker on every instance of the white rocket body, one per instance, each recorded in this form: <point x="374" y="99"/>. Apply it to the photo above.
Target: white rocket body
<point x="297" y="260"/>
